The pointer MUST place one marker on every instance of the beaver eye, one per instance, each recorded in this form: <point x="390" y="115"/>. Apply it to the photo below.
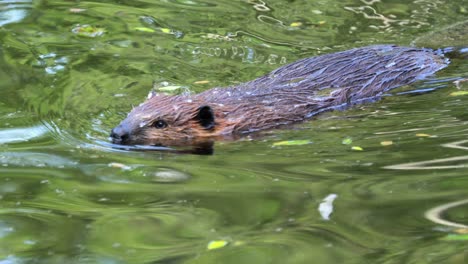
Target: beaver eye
<point x="160" y="124"/>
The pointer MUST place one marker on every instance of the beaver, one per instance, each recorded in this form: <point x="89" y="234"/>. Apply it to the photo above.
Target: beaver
<point x="289" y="94"/>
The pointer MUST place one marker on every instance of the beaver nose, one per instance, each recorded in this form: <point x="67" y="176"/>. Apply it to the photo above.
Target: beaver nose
<point x="119" y="135"/>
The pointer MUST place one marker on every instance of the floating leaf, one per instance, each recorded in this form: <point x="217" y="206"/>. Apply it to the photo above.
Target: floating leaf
<point x="202" y="82"/>
<point x="458" y="93"/>
<point x="166" y="30"/>
<point x="77" y="10"/>
<point x="461" y="231"/>
<point x="456" y="237"/>
<point x="145" y="29"/>
<point x="296" y="24"/>
<point x="357" y="148"/>
<point x="239" y="243"/>
<point x="119" y="165"/>
<point x="216" y="244"/>
<point x="88" y="31"/>
<point x="292" y="143"/>
<point x="169" y="88"/>
<point x="326" y="206"/>
<point x="423" y="135"/>
<point x="347" y="141"/>
<point x="386" y="143"/>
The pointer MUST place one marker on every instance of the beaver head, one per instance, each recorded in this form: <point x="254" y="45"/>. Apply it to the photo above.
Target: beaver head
<point x="164" y="120"/>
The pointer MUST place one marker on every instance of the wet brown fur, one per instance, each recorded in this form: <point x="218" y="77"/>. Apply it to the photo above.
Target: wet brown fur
<point x="287" y="95"/>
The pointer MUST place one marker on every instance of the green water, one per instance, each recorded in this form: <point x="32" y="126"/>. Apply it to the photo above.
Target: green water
<point x="67" y="197"/>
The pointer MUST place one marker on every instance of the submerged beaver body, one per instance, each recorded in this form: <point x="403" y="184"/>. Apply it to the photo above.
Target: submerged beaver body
<point x="287" y="95"/>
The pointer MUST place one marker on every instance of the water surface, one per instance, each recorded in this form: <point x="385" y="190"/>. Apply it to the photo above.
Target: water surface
<point x="371" y="187"/>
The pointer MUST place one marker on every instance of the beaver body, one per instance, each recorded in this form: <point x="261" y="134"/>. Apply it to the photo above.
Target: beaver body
<point x="287" y="95"/>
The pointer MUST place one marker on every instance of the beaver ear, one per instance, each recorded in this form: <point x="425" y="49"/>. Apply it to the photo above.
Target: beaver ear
<point x="205" y="117"/>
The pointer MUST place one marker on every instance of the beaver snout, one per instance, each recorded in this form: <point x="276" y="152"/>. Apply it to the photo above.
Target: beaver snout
<point x="120" y="135"/>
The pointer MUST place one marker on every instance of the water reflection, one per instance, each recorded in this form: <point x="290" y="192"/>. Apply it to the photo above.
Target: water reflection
<point x="52" y="63"/>
<point x="13" y="135"/>
<point x="34" y="159"/>
<point x="436" y="214"/>
<point x="395" y="14"/>
<point x="13" y="11"/>
<point x="423" y="165"/>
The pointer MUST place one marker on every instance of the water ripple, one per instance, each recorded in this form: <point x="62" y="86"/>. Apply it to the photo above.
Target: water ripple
<point x="14" y="135"/>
